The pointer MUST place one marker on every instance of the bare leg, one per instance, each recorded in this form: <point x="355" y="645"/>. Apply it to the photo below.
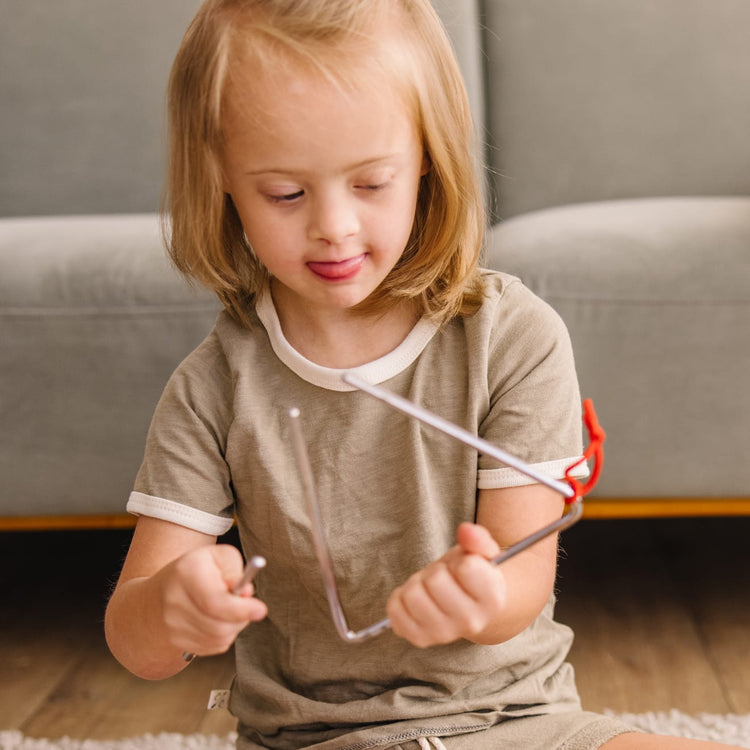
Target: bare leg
<point x="635" y="741"/>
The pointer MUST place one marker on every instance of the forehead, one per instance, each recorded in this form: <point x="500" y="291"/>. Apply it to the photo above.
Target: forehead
<point x="267" y="64"/>
<point x="302" y="112"/>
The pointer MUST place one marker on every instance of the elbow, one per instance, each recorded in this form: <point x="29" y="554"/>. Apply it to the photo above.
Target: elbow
<point x="144" y="663"/>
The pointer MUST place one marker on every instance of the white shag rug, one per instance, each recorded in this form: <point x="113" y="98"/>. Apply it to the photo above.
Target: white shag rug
<point x="731" y="729"/>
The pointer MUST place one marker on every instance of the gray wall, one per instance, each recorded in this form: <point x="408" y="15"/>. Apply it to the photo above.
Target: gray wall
<point x="82" y="86"/>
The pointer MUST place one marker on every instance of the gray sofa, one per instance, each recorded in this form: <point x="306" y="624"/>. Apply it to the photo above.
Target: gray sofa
<point x="619" y="171"/>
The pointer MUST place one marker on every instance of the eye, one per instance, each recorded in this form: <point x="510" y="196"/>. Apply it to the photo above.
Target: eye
<point x="286" y="197"/>
<point x="373" y="187"/>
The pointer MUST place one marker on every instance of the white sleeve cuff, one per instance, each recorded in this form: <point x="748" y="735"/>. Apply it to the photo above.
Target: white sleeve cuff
<point x="183" y="515"/>
<point x="490" y="479"/>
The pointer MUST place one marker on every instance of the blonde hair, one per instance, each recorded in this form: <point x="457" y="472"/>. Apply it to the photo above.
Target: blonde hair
<point x="438" y="269"/>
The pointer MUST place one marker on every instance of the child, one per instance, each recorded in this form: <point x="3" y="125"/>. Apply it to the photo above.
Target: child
<point x="323" y="183"/>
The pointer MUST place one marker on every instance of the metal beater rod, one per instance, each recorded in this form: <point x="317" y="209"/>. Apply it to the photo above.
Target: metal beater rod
<point x="459" y="433"/>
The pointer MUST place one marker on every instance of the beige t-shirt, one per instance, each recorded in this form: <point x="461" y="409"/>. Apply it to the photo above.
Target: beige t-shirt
<point x="392" y="493"/>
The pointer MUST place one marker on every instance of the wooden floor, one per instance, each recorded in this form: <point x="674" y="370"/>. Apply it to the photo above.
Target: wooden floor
<point x="661" y="610"/>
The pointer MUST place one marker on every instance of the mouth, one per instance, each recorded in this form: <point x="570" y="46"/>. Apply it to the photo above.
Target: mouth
<point x="338" y="270"/>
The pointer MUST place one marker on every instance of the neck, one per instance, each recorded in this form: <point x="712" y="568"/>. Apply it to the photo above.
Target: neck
<point x="344" y="340"/>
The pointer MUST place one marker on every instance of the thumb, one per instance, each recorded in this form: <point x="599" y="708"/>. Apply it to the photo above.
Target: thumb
<point x="228" y="560"/>
<point x="477" y="540"/>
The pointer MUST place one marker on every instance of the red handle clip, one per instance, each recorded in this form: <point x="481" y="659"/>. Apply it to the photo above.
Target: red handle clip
<point x="597" y="436"/>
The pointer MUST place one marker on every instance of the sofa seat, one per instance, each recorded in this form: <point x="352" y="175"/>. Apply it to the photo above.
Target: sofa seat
<point x="656" y="295"/>
<point x="93" y="320"/>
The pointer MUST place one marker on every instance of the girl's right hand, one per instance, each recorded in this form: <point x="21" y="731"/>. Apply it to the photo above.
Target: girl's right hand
<point x="200" y="614"/>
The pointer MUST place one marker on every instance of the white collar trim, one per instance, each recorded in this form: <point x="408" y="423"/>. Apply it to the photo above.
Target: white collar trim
<point x="377" y="371"/>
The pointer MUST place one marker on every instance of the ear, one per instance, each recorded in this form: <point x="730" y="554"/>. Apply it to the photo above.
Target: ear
<point x="426" y="164"/>
<point x="219" y="168"/>
<point x="224" y="179"/>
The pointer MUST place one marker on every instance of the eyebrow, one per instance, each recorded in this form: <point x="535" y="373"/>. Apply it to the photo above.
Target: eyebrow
<point x="351" y="168"/>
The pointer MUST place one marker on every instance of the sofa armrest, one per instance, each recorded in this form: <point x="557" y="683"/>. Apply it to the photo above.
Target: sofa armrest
<point x="656" y="295"/>
<point x="93" y="320"/>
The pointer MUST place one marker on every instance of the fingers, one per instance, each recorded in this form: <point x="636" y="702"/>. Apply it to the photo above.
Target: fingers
<point x="210" y="579"/>
<point x="430" y="608"/>
<point x="458" y="596"/>
<point x="200" y="612"/>
<point x="228" y="561"/>
<point x="477" y="540"/>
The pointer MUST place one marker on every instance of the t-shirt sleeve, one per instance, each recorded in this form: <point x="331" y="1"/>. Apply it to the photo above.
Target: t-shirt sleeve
<point x="534" y="398"/>
<point x="184" y="477"/>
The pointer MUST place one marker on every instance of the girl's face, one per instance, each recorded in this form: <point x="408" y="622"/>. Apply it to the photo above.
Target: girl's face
<point x="325" y="182"/>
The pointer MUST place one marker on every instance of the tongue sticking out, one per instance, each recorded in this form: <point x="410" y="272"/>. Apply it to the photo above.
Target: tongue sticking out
<point x="336" y="270"/>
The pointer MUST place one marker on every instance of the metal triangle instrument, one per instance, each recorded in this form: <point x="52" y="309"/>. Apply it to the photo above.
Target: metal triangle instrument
<point x="574" y="506"/>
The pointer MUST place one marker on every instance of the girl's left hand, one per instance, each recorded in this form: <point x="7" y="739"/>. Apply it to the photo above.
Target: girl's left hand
<point x="458" y="596"/>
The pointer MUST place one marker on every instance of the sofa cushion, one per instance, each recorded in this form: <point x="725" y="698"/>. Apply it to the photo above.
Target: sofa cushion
<point x="656" y="294"/>
<point x="92" y="321"/>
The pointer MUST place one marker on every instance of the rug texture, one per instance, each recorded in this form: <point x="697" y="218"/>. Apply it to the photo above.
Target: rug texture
<point x="731" y="729"/>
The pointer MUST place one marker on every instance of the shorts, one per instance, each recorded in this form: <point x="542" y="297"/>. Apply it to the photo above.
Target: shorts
<point x="574" y="730"/>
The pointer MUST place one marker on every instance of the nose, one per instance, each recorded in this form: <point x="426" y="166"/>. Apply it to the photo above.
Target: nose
<point x="333" y="218"/>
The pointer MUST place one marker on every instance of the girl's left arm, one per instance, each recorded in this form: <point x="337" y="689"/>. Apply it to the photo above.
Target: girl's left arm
<point x="463" y="595"/>
<point x="510" y="515"/>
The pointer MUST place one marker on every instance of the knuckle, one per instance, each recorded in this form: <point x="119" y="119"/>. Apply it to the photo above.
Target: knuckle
<point x="497" y="598"/>
<point x="470" y="623"/>
<point x="421" y="641"/>
<point x="471" y="566"/>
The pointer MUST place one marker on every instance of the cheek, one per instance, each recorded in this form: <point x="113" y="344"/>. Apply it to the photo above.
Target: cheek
<point x="269" y="243"/>
<point x="262" y="226"/>
<point x="405" y="211"/>
<point x="391" y="235"/>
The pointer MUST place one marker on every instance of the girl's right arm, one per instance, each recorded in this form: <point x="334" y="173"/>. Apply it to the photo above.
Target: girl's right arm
<point x="173" y="597"/>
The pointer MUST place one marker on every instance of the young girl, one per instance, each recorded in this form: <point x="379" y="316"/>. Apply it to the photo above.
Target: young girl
<point x="323" y="183"/>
